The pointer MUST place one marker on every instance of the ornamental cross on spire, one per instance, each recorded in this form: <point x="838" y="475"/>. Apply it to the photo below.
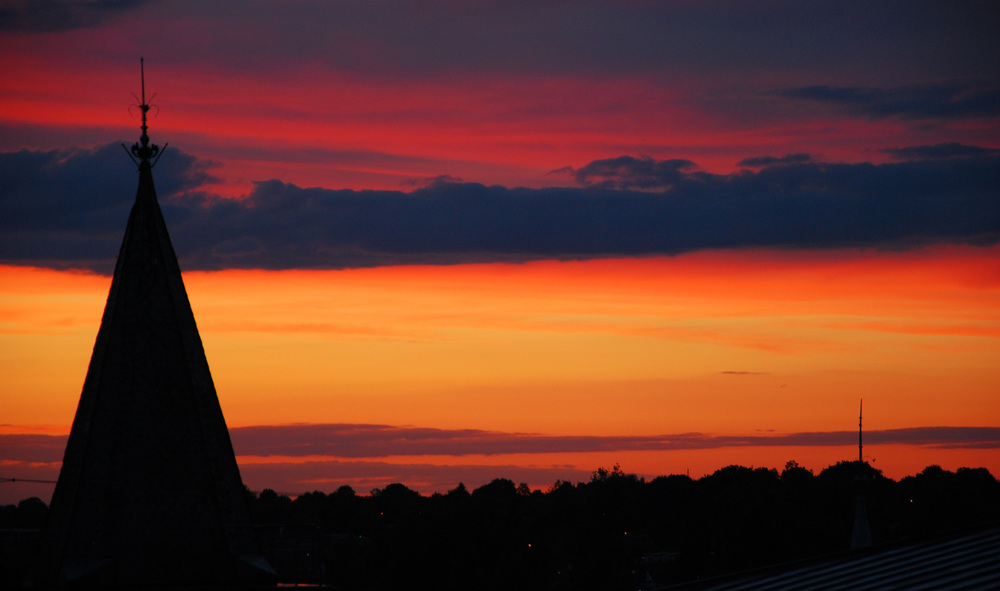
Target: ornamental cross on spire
<point x="143" y="150"/>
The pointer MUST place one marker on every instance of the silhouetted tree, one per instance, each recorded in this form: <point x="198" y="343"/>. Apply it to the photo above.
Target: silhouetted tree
<point x="20" y="528"/>
<point x="270" y="507"/>
<point x="611" y="532"/>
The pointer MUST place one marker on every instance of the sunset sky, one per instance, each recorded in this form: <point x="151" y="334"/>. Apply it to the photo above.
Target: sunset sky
<point x="433" y="242"/>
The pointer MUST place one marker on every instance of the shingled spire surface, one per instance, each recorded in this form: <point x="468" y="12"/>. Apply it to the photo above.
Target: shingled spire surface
<point x="149" y="494"/>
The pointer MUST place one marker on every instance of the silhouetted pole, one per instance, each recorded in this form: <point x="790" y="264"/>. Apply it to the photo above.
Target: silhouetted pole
<point x="861" y="458"/>
<point x="861" y="534"/>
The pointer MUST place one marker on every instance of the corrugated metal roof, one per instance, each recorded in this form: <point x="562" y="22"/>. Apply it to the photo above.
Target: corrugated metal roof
<point x="967" y="561"/>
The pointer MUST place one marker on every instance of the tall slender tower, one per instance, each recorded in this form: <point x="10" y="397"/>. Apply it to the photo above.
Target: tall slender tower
<point x="861" y="409"/>
<point x="861" y="533"/>
<point x="149" y="493"/>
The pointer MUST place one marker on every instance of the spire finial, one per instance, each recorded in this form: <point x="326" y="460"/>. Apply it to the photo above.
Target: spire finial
<point x="142" y="149"/>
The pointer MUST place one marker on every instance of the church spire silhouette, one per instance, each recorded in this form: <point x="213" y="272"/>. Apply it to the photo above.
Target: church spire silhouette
<point x="149" y="491"/>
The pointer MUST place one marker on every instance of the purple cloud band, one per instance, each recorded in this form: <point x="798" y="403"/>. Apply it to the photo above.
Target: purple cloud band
<point x="352" y="441"/>
<point x="361" y="441"/>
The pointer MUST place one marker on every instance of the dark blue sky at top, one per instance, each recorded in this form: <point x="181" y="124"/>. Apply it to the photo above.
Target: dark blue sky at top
<point x="401" y="37"/>
<point x="883" y="44"/>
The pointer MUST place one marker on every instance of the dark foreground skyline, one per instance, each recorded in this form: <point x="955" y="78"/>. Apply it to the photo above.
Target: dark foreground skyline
<point x="612" y="531"/>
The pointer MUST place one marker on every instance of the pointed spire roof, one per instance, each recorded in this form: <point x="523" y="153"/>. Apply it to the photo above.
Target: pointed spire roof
<point x="149" y="490"/>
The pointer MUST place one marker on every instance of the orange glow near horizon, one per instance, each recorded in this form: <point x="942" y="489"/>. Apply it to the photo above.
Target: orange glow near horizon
<point x="724" y="343"/>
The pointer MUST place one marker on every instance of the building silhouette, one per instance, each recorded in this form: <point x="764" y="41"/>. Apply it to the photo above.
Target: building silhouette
<point x="149" y="493"/>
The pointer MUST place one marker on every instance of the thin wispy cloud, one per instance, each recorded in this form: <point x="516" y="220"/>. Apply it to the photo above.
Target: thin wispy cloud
<point x="929" y="101"/>
<point x="371" y="441"/>
<point x="939" y="151"/>
<point x="762" y="161"/>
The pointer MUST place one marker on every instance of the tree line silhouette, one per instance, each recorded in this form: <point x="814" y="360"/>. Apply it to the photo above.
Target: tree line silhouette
<point x="616" y="531"/>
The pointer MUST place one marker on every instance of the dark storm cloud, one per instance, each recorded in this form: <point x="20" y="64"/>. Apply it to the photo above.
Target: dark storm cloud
<point x="930" y="101"/>
<point x="68" y="209"/>
<point x="59" y="15"/>
<point x="57" y="202"/>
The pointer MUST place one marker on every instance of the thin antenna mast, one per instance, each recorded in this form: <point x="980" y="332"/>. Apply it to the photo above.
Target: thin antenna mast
<point x="861" y="458"/>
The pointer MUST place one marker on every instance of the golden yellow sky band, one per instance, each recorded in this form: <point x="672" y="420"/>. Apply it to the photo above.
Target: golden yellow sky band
<point x="713" y="342"/>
